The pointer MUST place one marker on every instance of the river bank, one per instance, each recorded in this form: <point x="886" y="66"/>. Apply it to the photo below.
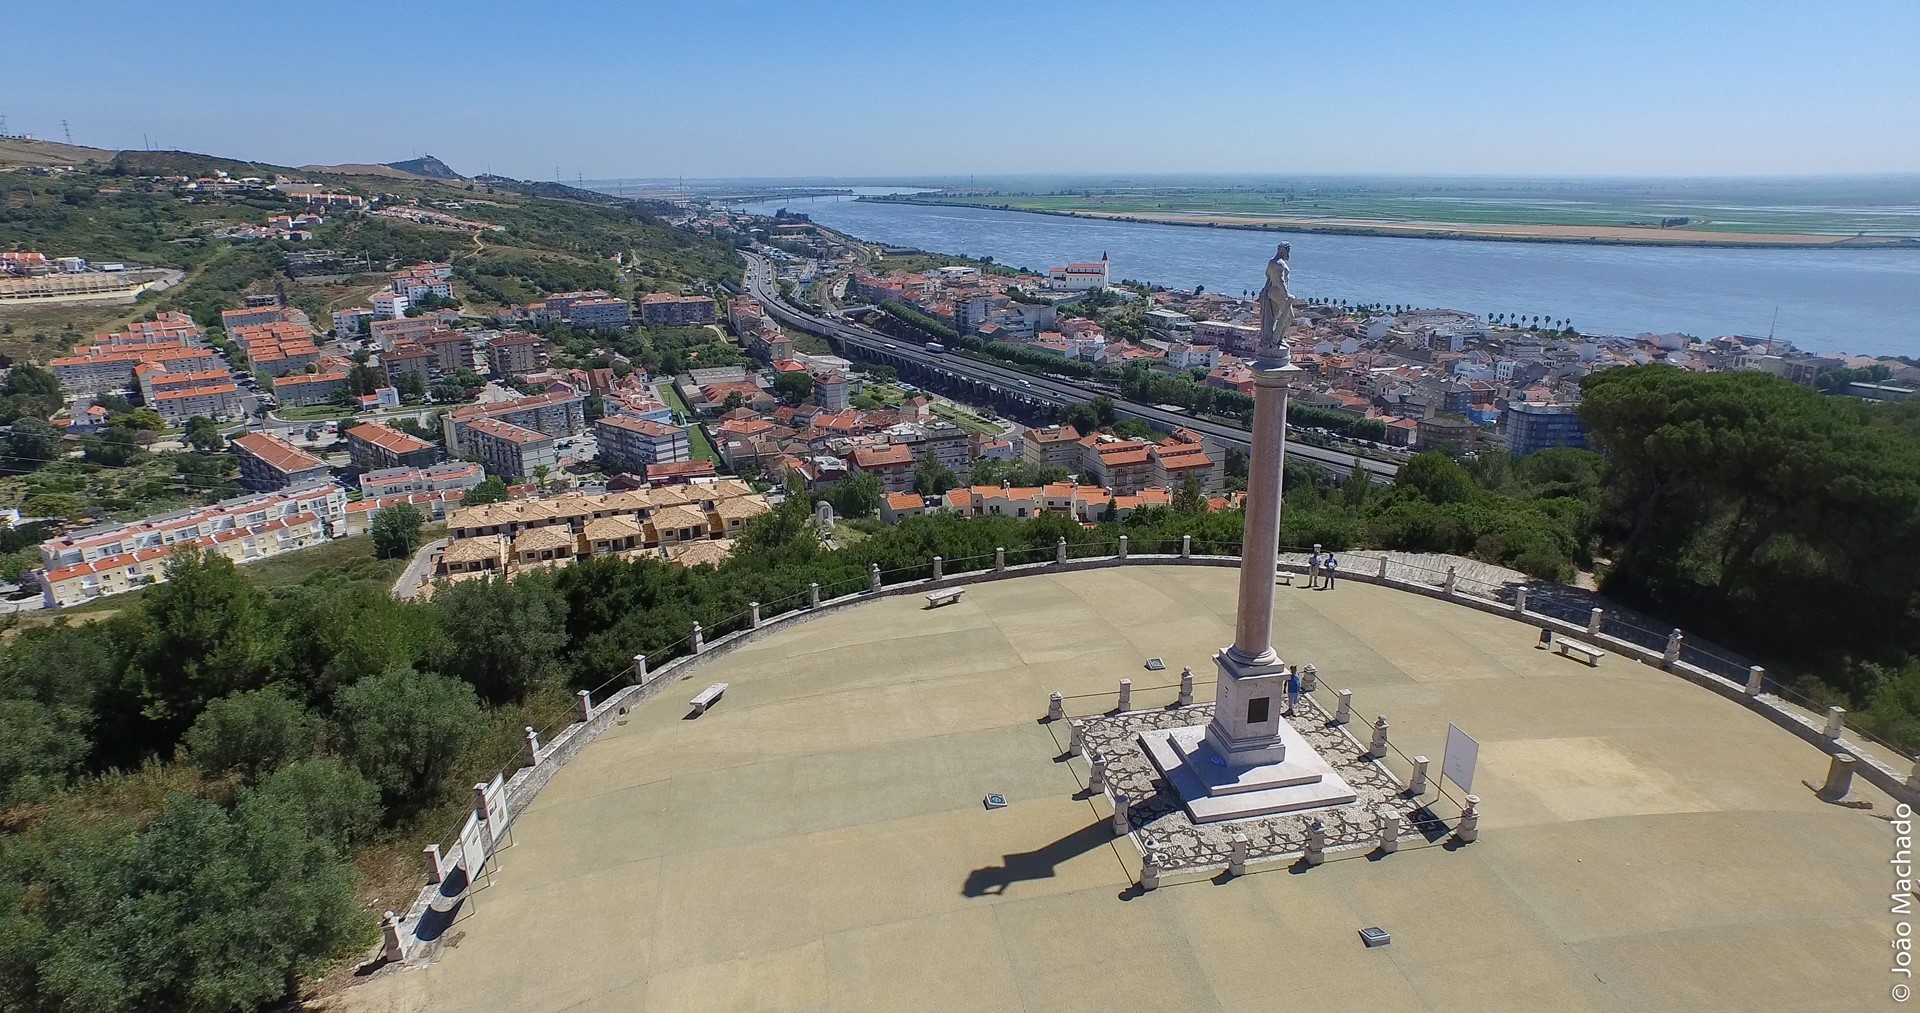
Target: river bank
<point x="1853" y="300"/>
<point x="1586" y="235"/>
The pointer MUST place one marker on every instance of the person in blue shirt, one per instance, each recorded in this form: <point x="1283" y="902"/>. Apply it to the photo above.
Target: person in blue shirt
<point x="1293" y="688"/>
<point x="1331" y="565"/>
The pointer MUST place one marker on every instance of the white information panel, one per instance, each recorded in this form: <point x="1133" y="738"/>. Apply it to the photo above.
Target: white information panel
<point x="496" y="800"/>
<point x="1461" y="753"/>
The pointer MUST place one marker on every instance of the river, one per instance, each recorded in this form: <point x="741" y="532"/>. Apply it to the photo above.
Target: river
<point x="1857" y="301"/>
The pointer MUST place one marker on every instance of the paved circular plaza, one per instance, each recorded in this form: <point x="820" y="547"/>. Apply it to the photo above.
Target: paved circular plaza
<point x="817" y="841"/>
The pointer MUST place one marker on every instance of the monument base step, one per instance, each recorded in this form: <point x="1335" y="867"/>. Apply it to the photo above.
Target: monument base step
<point x="1213" y="792"/>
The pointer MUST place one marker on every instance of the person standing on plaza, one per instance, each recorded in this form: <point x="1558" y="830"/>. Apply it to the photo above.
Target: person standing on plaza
<point x="1313" y="569"/>
<point x="1293" y="688"/>
<point x="1331" y="566"/>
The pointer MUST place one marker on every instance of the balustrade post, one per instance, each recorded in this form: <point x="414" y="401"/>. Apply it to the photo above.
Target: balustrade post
<point x="1377" y="748"/>
<point x="1469" y="829"/>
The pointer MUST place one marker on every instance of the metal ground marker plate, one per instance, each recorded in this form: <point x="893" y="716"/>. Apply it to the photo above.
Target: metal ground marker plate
<point x="1155" y="665"/>
<point x="994" y="801"/>
<point x="1375" y="936"/>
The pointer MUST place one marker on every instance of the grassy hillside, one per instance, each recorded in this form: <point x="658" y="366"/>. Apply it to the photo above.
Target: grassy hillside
<point x="554" y="239"/>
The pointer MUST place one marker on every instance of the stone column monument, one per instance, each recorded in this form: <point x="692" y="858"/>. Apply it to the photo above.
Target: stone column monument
<point x="1248" y="761"/>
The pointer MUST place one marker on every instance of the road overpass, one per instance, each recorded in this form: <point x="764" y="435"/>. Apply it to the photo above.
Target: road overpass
<point x="991" y="383"/>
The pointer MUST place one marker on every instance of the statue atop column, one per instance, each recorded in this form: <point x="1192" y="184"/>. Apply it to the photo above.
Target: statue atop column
<point x="1276" y="311"/>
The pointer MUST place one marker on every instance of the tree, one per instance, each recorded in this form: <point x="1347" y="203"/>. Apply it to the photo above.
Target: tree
<point x="204" y="434"/>
<point x="340" y="805"/>
<point x="405" y="730"/>
<point x="114" y="448"/>
<point x="931" y="478"/>
<point x="145" y="419"/>
<point x="253" y="732"/>
<point x="793" y="388"/>
<point x="412" y="385"/>
<point x="1189" y="498"/>
<point x="207" y="909"/>
<point x="502" y="637"/>
<point x="492" y="490"/>
<point x="27" y="378"/>
<point x="58" y="505"/>
<point x="540" y="473"/>
<point x="39" y="753"/>
<point x="32" y="444"/>
<point x="1437" y="478"/>
<point x="857" y="495"/>
<point x="735" y="399"/>
<point x="1359" y="483"/>
<point x="396" y="530"/>
<point x="204" y="635"/>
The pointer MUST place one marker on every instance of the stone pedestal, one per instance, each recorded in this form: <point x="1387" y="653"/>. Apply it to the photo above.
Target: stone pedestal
<point x="1248" y="761"/>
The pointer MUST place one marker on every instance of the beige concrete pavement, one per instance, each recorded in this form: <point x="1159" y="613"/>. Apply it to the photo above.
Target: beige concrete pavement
<point x="816" y="842"/>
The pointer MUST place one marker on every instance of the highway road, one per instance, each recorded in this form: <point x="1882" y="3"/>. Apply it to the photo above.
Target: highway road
<point x="761" y="284"/>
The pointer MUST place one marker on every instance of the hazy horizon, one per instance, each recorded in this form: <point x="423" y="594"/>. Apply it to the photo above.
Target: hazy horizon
<point x="748" y="90"/>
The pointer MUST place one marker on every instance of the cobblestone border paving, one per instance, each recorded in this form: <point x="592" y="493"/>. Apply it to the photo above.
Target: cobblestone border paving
<point x="1159" y="821"/>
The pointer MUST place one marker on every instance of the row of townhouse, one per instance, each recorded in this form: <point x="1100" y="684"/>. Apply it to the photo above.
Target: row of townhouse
<point x="1088" y="504"/>
<point x="449" y="476"/>
<point x="108" y="559"/>
<point x="360" y="513"/>
<point x="684" y="524"/>
<point x="556" y="414"/>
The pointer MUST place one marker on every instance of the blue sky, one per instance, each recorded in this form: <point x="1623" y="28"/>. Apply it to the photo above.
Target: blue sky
<point x="908" y="89"/>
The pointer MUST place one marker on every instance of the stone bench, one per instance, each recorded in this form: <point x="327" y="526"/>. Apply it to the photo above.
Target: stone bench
<point x="936" y="599"/>
<point x="1569" y="648"/>
<point x="1284" y="578"/>
<point x="707" y="697"/>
